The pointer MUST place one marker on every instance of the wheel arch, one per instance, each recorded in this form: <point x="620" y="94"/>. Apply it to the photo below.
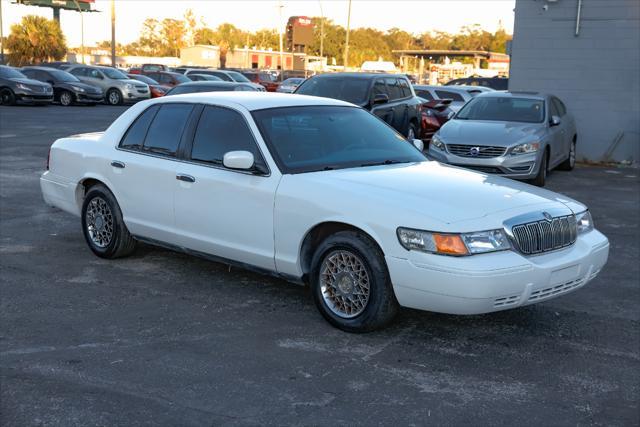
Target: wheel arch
<point x="318" y="233"/>
<point x="86" y="183"/>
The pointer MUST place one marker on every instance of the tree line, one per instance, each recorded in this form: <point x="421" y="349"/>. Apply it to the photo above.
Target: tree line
<point x="38" y="39"/>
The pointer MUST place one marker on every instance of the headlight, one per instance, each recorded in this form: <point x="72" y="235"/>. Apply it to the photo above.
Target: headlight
<point x="23" y="87"/>
<point x="437" y="143"/>
<point x="585" y="222"/>
<point x="529" y="147"/>
<point x="78" y="89"/>
<point x="129" y="86"/>
<point x="453" y="244"/>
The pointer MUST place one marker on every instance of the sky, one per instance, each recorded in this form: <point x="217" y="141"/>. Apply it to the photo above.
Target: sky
<point x="415" y="16"/>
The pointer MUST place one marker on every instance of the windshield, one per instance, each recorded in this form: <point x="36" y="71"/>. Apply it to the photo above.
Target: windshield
<point x="10" y="73"/>
<point x="236" y="76"/>
<point x="350" y="89"/>
<point x="114" y="74"/>
<point x="503" y="109"/>
<point x="63" y="76"/>
<point x="315" y="138"/>
<point x="181" y="78"/>
<point x="143" y="79"/>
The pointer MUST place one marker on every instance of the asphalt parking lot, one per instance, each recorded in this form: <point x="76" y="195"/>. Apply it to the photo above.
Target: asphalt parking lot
<point x="166" y="339"/>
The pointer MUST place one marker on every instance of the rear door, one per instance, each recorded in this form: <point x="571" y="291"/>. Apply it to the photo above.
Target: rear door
<point x="224" y="212"/>
<point x="144" y="170"/>
<point x="385" y="110"/>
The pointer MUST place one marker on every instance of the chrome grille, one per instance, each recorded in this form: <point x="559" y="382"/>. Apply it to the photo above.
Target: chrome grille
<point x="545" y="235"/>
<point x="477" y="151"/>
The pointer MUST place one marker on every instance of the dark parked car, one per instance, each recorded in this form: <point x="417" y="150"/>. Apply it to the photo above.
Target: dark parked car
<point x="67" y="89"/>
<point x="264" y="78"/>
<point x="167" y="78"/>
<point x="197" y="87"/>
<point x="497" y="83"/>
<point x="204" y="78"/>
<point x="16" y="87"/>
<point x="156" y="89"/>
<point x="388" y="96"/>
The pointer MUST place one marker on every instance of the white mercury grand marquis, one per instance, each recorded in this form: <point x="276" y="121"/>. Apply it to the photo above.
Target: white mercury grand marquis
<point x="319" y="191"/>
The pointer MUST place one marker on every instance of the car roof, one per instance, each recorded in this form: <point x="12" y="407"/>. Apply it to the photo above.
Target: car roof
<point x="252" y="100"/>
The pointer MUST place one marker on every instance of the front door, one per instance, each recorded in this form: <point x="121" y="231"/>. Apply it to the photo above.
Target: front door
<point x="219" y="211"/>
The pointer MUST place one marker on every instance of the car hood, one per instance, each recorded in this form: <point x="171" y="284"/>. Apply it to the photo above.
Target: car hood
<point x="29" y="82"/>
<point x="483" y="132"/>
<point x="446" y="193"/>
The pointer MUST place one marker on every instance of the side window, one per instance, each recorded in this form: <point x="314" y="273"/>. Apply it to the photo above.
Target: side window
<point x="95" y="74"/>
<point x="424" y="94"/>
<point x="219" y="131"/>
<point x="393" y="88"/>
<point x="562" y="110"/>
<point x="43" y="76"/>
<point x="80" y="71"/>
<point x="445" y="94"/>
<point x="379" y="88"/>
<point x="134" y="138"/>
<point x="29" y="73"/>
<point x="164" y="78"/>
<point x="166" y="129"/>
<point x="553" y="108"/>
<point x="154" y="76"/>
<point x="404" y="88"/>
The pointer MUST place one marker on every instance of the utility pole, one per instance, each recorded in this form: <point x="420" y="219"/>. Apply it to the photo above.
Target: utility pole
<point x="1" y="36"/>
<point x="346" y="46"/>
<point x="81" y="28"/>
<point x="321" y="29"/>
<point x="113" y="33"/>
<point x="280" y="36"/>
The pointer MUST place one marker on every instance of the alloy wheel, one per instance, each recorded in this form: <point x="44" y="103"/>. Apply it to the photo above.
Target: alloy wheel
<point x="344" y="283"/>
<point x="114" y="97"/>
<point x="65" y="98"/>
<point x="99" y="222"/>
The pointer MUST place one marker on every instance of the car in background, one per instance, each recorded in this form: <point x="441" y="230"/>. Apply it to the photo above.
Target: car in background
<point x="290" y="85"/>
<point x="434" y="115"/>
<point x="263" y="78"/>
<point x="117" y="87"/>
<point x="67" y="88"/>
<point x="167" y="78"/>
<point x="520" y="135"/>
<point x="211" y="86"/>
<point x="156" y="88"/>
<point x="225" y="75"/>
<point x="204" y="77"/>
<point x="148" y="68"/>
<point x="388" y="96"/>
<point x="56" y="64"/>
<point x="459" y="95"/>
<point x="16" y="87"/>
<point x="495" y="83"/>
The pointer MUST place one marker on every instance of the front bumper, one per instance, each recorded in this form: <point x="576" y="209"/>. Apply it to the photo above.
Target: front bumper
<point x="496" y="281"/>
<point x="524" y="166"/>
<point x="89" y="98"/>
<point x="32" y="98"/>
<point x="136" y="95"/>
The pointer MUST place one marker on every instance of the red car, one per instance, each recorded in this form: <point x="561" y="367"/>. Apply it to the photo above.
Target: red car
<point x="434" y="114"/>
<point x="263" y="78"/>
<point x="155" y="88"/>
<point x="167" y="78"/>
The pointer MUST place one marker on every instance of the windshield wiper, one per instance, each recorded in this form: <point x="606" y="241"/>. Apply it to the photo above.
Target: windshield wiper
<point x="384" y="162"/>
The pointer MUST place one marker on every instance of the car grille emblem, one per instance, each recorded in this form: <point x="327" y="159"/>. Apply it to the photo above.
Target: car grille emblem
<point x="547" y="215"/>
<point x="474" y="151"/>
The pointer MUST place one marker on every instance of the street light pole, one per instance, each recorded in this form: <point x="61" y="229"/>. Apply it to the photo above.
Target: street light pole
<point x="1" y="36"/>
<point x="81" y="28"/>
<point x="113" y="33"/>
<point x="321" y="29"/>
<point x="346" y="46"/>
<point x="280" y="38"/>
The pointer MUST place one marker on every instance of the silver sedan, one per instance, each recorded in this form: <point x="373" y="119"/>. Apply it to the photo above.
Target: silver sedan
<point x="520" y="135"/>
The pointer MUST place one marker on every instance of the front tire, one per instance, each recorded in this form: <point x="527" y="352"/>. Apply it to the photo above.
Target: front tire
<point x="350" y="283"/>
<point x="66" y="98"/>
<point x="114" y="97"/>
<point x="7" y="97"/>
<point x="103" y="226"/>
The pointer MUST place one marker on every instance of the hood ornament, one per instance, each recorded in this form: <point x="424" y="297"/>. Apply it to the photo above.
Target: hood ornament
<point x="547" y="215"/>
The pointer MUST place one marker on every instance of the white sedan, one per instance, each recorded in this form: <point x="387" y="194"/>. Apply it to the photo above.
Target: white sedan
<point x="319" y="191"/>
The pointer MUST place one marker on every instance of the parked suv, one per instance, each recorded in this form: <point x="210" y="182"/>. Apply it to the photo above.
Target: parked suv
<point x="67" y="89"/>
<point x="15" y="86"/>
<point x="117" y="87"/>
<point x="388" y="96"/>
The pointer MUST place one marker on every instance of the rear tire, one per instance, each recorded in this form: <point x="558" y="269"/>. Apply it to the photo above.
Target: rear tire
<point x="7" y="97"/>
<point x="570" y="163"/>
<point x="541" y="178"/>
<point x="103" y="226"/>
<point x="350" y="283"/>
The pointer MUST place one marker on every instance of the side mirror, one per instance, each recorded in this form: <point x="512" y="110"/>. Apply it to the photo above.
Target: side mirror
<point x="418" y="144"/>
<point x="238" y="160"/>
<point x="555" y="121"/>
<point x="380" y="98"/>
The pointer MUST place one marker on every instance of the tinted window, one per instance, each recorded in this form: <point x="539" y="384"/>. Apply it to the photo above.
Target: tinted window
<point x="80" y="71"/>
<point x="507" y="109"/>
<point x="145" y="79"/>
<point x="379" y="87"/>
<point x="91" y="72"/>
<point x="445" y="94"/>
<point x="404" y="87"/>
<point x="134" y="138"/>
<point x="314" y="138"/>
<point x="223" y="76"/>
<point x="238" y="77"/>
<point x="166" y="129"/>
<point x="182" y="89"/>
<point x="219" y="131"/>
<point x="10" y="73"/>
<point x="394" y="89"/>
<point x="112" y="73"/>
<point x="165" y="78"/>
<point x="559" y="106"/>
<point x="553" y="108"/>
<point x="63" y="76"/>
<point x="350" y="89"/>
<point x="425" y="94"/>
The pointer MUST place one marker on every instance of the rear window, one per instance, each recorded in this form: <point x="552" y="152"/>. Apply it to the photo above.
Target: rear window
<point x="349" y="89"/>
<point x="424" y="94"/>
<point x="445" y="94"/>
<point x="134" y="138"/>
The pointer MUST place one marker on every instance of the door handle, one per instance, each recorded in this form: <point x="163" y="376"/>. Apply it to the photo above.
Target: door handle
<point x="185" y="178"/>
<point x="117" y="164"/>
